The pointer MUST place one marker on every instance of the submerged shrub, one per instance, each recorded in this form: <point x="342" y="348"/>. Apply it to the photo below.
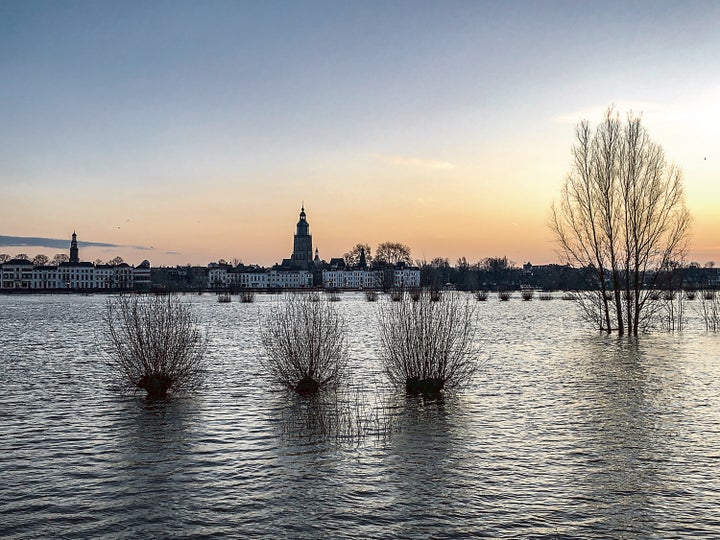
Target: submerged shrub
<point x="504" y="295"/>
<point x="371" y="296"/>
<point x="396" y="295"/>
<point x="224" y="298"/>
<point x="426" y="346"/>
<point x="304" y="339"/>
<point x="247" y="297"/>
<point x="481" y="296"/>
<point x="527" y="294"/>
<point x="154" y="342"/>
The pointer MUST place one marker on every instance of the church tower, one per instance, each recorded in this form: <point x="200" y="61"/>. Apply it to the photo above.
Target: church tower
<point x="302" y="245"/>
<point x="74" y="255"/>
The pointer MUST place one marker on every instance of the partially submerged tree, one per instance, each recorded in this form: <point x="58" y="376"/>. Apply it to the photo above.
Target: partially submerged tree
<point x="155" y="342"/>
<point x="305" y="344"/>
<point x="426" y="346"/>
<point x="622" y="214"/>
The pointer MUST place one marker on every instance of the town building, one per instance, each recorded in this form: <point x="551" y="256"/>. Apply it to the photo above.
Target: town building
<point x="302" y="242"/>
<point x="75" y="275"/>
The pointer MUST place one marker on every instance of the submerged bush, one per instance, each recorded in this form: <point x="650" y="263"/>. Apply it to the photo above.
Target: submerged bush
<point x="155" y="342"/>
<point x="371" y="296"/>
<point x="481" y="296"/>
<point x="426" y="346"/>
<point x="304" y="339"/>
<point x="247" y="297"/>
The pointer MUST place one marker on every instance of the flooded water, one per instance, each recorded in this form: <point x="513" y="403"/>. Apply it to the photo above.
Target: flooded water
<point x="563" y="434"/>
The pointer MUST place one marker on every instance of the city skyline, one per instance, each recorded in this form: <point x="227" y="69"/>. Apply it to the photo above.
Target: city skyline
<point x="185" y="133"/>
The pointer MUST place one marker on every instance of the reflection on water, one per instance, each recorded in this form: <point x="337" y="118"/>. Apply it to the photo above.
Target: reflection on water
<point x="564" y="434"/>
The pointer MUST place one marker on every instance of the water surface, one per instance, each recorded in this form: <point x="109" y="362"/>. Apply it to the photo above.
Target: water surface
<point x="563" y="434"/>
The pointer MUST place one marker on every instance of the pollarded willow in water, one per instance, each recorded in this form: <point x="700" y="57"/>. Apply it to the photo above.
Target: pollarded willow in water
<point x="427" y="346"/>
<point x="154" y="342"/>
<point x="305" y="343"/>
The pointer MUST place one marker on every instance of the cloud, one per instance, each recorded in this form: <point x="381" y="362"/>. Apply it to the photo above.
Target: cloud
<point x="58" y="243"/>
<point x="423" y="163"/>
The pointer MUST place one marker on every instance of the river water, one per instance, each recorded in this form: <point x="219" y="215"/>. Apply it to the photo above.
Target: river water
<point x="563" y="433"/>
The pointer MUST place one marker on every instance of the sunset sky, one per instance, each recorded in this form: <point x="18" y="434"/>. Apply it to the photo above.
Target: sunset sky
<point x="184" y="132"/>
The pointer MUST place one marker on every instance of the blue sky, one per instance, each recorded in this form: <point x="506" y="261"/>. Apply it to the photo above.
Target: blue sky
<point x="198" y="127"/>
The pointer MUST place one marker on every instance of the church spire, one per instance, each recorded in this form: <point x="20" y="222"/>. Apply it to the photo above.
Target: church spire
<point x="302" y="245"/>
<point x="74" y="255"/>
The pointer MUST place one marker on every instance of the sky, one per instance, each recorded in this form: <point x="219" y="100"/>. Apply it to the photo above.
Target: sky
<point x="186" y="132"/>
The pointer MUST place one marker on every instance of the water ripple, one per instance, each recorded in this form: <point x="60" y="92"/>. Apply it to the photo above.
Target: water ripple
<point x="563" y="434"/>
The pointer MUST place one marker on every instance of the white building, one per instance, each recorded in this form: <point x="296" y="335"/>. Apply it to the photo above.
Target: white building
<point x="73" y="275"/>
<point x="45" y="277"/>
<point x="406" y="278"/>
<point x="350" y="279"/>
<point x="289" y="279"/>
<point x="252" y="280"/>
<point x="223" y="277"/>
<point x="16" y="274"/>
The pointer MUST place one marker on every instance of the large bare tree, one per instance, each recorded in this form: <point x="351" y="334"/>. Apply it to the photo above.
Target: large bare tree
<point x="392" y="253"/>
<point x="352" y="257"/>
<point x="621" y="214"/>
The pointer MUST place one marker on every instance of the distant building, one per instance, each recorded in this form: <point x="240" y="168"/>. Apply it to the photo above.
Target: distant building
<point x="19" y="274"/>
<point x="290" y="279"/>
<point x="302" y="255"/>
<point x="356" y="278"/>
<point x="226" y="277"/>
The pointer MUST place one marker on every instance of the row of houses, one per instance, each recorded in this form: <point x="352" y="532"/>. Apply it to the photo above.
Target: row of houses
<point x="401" y="276"/>
<point x="21" y="274"/>
<point x="223" y="277"/>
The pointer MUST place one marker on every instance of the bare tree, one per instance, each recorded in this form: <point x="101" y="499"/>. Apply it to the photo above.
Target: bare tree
<point x="710" y="310"/>
<point x="154" y="342"/>
<point x="427" y="346"/>
<point x="622" y="214"/>
<point x="392" y="253"/>
<point x="352" y="257"/>
<point x="60" y="258"/>
<point x="305" y="344"/>
<point x="116" y="261"/>
<point x="4" y="257"/>
<point x="40" y="260"/>
<point x="22" y="257"/>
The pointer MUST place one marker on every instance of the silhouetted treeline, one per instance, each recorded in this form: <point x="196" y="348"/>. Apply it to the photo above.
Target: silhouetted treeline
<point x="498" y="273"/>
<point x="491" y="273"/>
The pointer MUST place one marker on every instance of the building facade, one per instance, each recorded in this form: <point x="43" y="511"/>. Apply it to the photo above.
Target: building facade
<point x="20" y="274"/>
